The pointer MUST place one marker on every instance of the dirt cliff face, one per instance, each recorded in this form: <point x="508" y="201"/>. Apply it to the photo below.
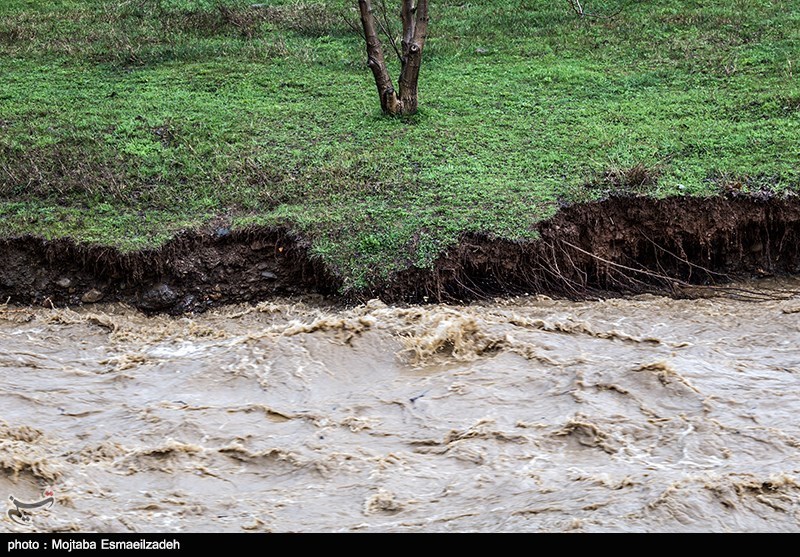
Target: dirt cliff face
<point x="192" y="272"/>
<point x="619" y="245"/>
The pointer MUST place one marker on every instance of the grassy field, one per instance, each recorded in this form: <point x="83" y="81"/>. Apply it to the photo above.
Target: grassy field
<point x="122" y="122"/>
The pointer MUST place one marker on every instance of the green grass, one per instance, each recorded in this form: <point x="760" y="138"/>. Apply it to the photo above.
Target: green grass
<point x="123" y="122"/>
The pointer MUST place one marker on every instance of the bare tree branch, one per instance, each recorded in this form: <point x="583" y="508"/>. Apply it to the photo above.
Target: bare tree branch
<point x="390" y="103"/>
<point x="421" y="22"/>
<point x="407" y="16"/>
<point x="412" y="52"/>
<point x="386" y="28"/>
<point x="351" y="24"/>
<point x="578" y="9"/>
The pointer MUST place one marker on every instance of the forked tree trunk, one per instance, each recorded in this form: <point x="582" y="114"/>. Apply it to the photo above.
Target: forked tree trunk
<point x="415" y="29"/>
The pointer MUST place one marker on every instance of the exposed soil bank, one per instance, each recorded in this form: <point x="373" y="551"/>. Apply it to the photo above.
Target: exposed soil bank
<point x="192" y="272"/>
<point x="617" y="245"/>
<point x="622" y="245"/>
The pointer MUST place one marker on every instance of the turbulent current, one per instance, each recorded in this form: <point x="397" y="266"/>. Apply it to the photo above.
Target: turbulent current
<point x="523" y="414"/>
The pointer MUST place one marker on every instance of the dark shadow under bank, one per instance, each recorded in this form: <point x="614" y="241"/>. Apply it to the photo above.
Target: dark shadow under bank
<point x="620" y="245"/>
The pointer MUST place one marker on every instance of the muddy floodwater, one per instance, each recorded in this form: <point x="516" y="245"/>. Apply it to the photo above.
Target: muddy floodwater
<point x="524" y="414"/>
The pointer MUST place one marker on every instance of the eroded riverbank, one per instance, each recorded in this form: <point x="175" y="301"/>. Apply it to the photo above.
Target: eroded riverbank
<point x="624" y="245"/>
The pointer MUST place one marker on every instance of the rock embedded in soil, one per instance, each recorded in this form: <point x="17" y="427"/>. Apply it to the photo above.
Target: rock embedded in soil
<point x="159" y="297"/>
<point x="92" y="296"/>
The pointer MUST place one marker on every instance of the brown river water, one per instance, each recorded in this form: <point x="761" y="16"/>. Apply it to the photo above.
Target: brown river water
<point x="523" y="414"/>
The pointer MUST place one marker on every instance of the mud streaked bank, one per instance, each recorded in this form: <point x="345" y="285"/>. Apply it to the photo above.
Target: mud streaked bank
<point x="619" y="245"/>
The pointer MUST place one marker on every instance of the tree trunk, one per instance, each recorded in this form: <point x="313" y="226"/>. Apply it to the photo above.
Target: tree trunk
<point x="415" y="29"/>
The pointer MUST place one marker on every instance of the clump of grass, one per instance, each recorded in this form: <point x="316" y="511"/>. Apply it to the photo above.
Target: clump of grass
<point x="17" y="29"/>
<point x="247" y="22"/>
<point x="307" y="19"/>
<point x="636" y="178"/>
<point x="625" y="180"/>
<point x="60" y="172"/>
<point x="744" y="184"/>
